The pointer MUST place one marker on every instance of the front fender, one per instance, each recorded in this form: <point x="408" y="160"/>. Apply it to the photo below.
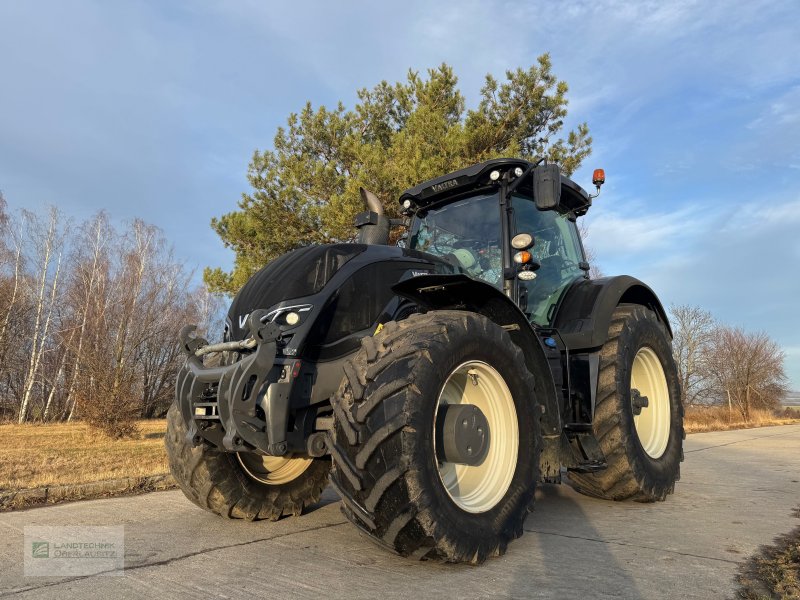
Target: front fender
<point x="459" y="292"/>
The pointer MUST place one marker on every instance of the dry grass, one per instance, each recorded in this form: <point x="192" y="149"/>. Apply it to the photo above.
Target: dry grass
<point x="774" y="572"/>
<point x="34" y="456"/>
<point x="719" y="418"/>
<point x="37" y="456"/>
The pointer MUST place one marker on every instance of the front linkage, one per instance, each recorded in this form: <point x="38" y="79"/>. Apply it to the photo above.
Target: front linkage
<point x="227" y="406"/>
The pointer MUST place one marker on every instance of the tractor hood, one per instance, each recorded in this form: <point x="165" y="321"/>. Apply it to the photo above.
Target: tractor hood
<point x="296" y="274"/>
<point x="335" y="291"/>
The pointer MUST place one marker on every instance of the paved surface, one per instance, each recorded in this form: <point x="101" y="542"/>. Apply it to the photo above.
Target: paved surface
<point x="738" y="491"/>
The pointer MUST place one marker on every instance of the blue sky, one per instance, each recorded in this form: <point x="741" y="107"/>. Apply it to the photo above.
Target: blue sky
<point x="153" y="109"/>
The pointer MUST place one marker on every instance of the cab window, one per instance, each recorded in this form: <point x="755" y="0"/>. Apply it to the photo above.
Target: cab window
<point x="557" y="248"/>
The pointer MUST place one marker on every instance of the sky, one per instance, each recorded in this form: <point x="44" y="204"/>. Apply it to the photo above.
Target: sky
<point x="154" y="109"/>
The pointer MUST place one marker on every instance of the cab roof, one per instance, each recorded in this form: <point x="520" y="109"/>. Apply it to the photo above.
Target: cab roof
<point x="476" y="178"/>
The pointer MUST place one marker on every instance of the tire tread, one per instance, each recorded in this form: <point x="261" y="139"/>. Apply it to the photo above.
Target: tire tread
<point x="625" y="478"/>
<point x="215" y="482"/>
<point x="399" y="517"/>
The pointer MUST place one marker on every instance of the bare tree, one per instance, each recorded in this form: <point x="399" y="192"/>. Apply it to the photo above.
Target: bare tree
<point x="90" y="319"/>
<point x="591" y="256"/>
<point x="47" y="244"/>
<point x="693" y="328"/>
<point x="11" y="272"/>
<point x="745" y="369"/>
<point x="158" y="356"/>
<point x="129" y="368"/>
<point x="93" y="351"/>
<point x="90" y="266"/>
<point x="208" y="312"/>
<point x="112" y="364"/>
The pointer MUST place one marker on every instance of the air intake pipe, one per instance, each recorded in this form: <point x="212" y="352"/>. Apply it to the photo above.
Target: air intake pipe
<point x="373" y="225"/>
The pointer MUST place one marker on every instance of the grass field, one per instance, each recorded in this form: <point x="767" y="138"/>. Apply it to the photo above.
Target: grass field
<point x="34" y="456"/>
<point x="38" y="456"/>
<point x="719" y="418"/>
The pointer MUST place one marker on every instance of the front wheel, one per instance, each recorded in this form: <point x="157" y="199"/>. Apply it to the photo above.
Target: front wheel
<point x="436" y="439"/>
<point x="242" y="485"/>
<point x="638" y="419"/>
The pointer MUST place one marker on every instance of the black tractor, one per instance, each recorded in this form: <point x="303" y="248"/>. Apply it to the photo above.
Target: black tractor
<point x="434" y="382"/>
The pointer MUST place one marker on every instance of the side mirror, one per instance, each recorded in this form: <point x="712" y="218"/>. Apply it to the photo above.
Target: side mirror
<point x="546" y="186"/>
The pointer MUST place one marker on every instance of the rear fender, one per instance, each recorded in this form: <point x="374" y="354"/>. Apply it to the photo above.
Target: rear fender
<point x="585" y="312"/>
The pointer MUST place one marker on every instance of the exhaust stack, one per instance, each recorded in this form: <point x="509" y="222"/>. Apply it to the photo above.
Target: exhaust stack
<point x="373" y="225"/>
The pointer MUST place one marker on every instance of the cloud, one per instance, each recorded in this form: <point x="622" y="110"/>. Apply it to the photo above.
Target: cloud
<point x="763" y="215"/>
<point x="616" y="233"/>
<point x="773" y="133"/>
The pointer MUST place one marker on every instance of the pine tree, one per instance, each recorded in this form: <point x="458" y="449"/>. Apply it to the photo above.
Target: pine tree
<point x="305" y="190"/>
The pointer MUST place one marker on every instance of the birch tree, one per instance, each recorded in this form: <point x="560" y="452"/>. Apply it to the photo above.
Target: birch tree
<point x="11" y="272"/>
<point x="47" y="243"/>
<point x="90" y="320"/>
<point x="90" y="270"/>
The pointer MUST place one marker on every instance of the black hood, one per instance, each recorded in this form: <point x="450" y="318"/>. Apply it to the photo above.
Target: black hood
<point x="296" y="274"/>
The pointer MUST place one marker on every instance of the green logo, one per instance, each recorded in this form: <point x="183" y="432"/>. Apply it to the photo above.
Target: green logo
<point x="40" y="550"/>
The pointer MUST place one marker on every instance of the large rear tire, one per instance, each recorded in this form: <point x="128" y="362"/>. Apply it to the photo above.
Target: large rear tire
<point x="642" y="439"/>
<point x="242" y="486"/>
<point x="395" y="483"/>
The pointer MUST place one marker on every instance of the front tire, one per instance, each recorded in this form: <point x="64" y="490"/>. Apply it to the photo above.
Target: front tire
<point x="388" y="466"/>
<point x="242" y="486"/>
<point x="642" y="440"/>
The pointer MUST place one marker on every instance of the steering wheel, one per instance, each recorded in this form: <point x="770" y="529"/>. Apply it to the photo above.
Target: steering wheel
<point x="468" y="244"/>
<point x="551" y="267"/>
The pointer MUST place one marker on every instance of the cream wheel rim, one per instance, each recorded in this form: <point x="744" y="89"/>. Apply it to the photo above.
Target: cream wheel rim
<point x="272" y="470"/>
<point x="653" y="423"/>
<point x="481" y="487"/>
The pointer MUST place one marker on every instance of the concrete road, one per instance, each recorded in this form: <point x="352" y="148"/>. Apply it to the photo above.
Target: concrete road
<point x="738" y="491"/>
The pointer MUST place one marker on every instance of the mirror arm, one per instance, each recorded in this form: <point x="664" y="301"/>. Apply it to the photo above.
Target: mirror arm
<point x="516" y="183"/>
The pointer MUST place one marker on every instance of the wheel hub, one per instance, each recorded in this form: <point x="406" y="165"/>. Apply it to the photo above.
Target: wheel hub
<point x="272" y="470"/>
<point x="650" y="402"/>
<point x="638" y="402"/>
<point x="464" y="431"/>
<point x="475" y="392"/>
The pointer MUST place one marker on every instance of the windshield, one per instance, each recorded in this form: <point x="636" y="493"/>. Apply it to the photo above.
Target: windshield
<point x="465" y="233"/>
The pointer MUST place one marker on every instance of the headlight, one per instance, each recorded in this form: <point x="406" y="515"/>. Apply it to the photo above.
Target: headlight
<point x="289" y="315"/>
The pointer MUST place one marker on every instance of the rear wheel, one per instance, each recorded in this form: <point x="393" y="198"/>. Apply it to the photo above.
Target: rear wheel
<point x="436" y="438"/>
<point x="242" y="485"/>
<point x="638" y="417"/>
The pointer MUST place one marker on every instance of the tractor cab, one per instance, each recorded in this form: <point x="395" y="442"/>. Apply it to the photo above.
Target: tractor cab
<point x="509" y="223"/>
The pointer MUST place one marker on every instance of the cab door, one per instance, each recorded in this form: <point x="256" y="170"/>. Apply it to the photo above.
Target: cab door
<point x="557" y="248"/>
